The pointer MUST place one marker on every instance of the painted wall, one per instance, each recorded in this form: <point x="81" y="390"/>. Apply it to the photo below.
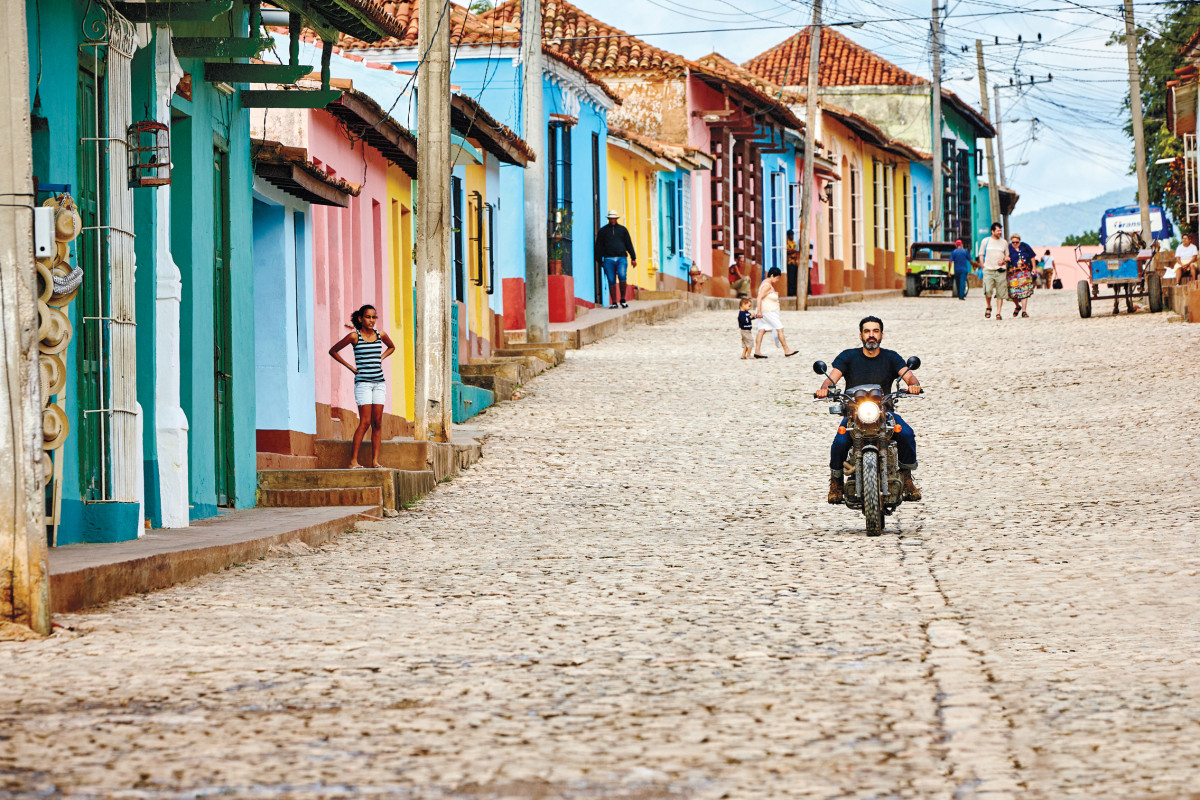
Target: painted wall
<point x="350" y="251"/>
<point x="495" y="83"/>
<point x="400" y="222"/>
<point x="633" y="193"/>
<point x="283" y="342"/>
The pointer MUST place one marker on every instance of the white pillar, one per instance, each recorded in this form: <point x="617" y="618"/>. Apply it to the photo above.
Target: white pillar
<point x="171" y="424"/>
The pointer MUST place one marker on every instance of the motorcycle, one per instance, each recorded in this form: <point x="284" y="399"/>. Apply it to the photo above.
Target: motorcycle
<point x="871" y="474"/>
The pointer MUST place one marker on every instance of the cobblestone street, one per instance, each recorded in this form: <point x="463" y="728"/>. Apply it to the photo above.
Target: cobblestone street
<point x="641" y="593"/>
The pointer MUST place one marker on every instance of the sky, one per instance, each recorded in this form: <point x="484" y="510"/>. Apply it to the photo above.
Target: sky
<point x="1063" y="140"/>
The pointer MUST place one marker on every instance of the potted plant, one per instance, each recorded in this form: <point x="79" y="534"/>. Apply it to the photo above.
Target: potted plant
<point x="559" y="241"/>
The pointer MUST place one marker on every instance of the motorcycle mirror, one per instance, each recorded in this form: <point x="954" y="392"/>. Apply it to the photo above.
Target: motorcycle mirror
<point x="914" y="363"/>
<point x="820" y="367"/>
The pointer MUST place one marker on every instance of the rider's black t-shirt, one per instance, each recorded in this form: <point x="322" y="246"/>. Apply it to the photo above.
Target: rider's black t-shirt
<point x="859" y="370"/>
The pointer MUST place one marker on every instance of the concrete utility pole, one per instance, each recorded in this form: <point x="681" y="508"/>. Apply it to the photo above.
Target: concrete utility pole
<point x="993" y="185"/>
<point x="537" y="303"/>
<point x="24" y="578"/>
<point x="935" y="130"/>
<point x="1139" y="135"/>
<point x="433" y="407"/>
<point x="810" y="135"/>
<point x="999" y="151"/>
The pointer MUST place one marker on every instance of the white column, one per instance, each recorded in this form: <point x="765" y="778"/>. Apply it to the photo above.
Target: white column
<point x="125" y="444"/>
<point x="171" y="424"/>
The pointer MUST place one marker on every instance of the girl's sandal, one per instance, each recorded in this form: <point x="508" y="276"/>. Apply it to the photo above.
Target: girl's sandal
<point x="1023" y="314"/>
<point x="987" y="314"/>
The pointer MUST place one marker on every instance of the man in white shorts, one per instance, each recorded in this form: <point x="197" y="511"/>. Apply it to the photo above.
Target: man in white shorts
<point x="992" y="258"/>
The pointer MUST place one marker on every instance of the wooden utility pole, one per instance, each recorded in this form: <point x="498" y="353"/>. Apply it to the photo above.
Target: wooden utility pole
<point x="810" y="135"/>
<point x="993" y="185"/>
<point x="935" y="129"/>
<point x="24" y="578"/>
<point x="1000" y="153"/>
<point x="1139" y="135"/>
<point x="433" y="342"/>
<point x="537" y="303"/>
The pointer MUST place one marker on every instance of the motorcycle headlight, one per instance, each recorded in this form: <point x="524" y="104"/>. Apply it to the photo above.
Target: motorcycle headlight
<point x="868" y="412"/>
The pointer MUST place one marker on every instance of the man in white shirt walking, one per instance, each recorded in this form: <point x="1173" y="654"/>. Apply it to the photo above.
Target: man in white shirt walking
<point x="992" y="258"/>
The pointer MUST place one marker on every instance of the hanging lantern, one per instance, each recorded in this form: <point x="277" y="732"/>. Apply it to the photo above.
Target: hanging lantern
<point x="149" y="145"/>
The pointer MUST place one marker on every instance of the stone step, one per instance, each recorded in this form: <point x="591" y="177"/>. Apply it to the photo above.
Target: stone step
<point x="311" y="498"/>
<point x="501" y="387"/>
<point x="551" y="355"/>
<point x="534" y="364"/>
<point x="282" y="461"/>
<point x="510" y="370"/>
<point x="660" y="294"/>
<point x="410" y="454"/>
<point x="274" y="486"/>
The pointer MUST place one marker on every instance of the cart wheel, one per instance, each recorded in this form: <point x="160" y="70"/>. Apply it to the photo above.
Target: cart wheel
<point x="910" y="286"/>
<point x="1085" y="299"/>
<point x="1154" y="289"/>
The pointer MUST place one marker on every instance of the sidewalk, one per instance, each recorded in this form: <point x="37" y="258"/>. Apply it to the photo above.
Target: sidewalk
<point x="600" y="322"/>
<point x="84" y="575"/>
<point x="814" y="300"/>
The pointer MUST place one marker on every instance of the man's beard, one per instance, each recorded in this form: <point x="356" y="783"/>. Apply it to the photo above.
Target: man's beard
<point x="871" y="344"/>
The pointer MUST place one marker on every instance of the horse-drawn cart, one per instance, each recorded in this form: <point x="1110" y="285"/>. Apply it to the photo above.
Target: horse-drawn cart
<point x="1125" y="264"/>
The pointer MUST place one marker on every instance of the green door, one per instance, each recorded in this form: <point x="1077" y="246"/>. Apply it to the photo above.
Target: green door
<point x="90" y="256"/>
<point x="222" y="349"/>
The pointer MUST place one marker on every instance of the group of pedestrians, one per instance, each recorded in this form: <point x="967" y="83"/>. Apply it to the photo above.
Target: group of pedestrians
<point x="1010" y="271"/>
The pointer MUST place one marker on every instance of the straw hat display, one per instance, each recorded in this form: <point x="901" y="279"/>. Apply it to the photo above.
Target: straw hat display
<point x="47" y="468"/>
<point x="57" y="331"/>
<point x="45" y="280"/>
<point x="67" y="222"/>
<point x="66" y="284"/>
<point x="53" y="374"/>
<point x="55" y="427"/>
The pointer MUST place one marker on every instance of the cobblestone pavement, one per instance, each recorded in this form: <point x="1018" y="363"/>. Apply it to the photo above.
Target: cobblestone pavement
<point x="640" y="593"/>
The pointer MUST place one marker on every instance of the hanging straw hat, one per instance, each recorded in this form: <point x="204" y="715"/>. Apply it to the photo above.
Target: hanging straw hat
<point x="45" y="281"/>
<point x="43" y="320"/>
<point x="47" y="468"/>
<point x="58" y="331"/>
<point x="62" y="254"/>
<point x="53" y="373"/>
<point x="67" y="222"/>
<point x="66" y="284"/>
<point x="55" y="427"/>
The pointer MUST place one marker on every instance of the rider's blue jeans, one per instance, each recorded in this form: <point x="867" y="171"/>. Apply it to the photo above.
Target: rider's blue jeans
<point x="906" y="446"/>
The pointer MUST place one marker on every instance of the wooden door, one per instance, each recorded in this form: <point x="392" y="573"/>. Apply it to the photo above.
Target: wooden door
<point x="90" y="250"/>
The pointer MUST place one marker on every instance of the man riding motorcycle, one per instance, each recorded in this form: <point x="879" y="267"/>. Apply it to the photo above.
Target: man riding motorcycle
<point x="871" y="364"/>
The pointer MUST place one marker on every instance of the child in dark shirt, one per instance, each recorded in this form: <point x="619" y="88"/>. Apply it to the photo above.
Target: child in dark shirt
<point x="746" y="325"/>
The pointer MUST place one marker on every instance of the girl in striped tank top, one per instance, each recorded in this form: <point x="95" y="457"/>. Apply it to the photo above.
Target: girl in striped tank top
<point x="371" y="347"/>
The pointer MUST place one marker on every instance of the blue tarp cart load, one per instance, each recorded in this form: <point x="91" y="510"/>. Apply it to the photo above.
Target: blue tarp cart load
<point x="1125" y="262"/>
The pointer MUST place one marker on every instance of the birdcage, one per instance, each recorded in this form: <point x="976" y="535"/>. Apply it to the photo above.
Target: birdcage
<point x="149" y="146"/>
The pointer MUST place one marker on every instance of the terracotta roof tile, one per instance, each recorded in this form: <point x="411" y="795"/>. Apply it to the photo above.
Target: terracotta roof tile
<point x="267" y="151"/>
<point x="843" y="63"/>
<point x="592" y="44"/>
<point x="765" y="94"/>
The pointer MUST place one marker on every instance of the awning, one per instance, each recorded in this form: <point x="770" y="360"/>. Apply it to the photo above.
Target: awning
<point x="288" y="169"/>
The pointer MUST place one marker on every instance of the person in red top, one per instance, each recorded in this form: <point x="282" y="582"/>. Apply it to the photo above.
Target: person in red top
<point x="738" y="282"/>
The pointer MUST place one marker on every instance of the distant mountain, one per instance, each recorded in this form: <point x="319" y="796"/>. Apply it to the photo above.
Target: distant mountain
<point x="1048" y="225"/>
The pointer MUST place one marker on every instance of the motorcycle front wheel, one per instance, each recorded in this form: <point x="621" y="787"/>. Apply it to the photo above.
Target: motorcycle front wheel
<point x="872" y="503"/>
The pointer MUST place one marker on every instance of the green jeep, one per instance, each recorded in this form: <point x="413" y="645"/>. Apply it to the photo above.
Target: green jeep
<point x="929" y="268"/>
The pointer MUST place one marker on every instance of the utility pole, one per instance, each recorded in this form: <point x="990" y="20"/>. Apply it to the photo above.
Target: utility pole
<point x="1000" y="151"/>
<point x="24" y="578"/>
<point x="433" y="407"/>
<point x="993" y="186"/>
<point x="537" y="303"/>
<point x="935" y="139"/>
<point x="1139" y="135"/>
<point x="810" y="135"/>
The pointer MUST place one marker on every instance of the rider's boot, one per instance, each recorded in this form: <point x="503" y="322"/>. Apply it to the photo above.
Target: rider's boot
<point x="835" y="490"/>
<point x="911" y="491"/>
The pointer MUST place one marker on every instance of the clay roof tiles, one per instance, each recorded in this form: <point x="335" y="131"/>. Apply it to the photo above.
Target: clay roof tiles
<point x="589" y="42"/>
<point x="763" y="93"/>
<point x="843" y="63"/>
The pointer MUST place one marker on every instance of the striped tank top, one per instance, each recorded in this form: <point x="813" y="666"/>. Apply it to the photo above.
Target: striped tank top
<point x="368" y="359"/>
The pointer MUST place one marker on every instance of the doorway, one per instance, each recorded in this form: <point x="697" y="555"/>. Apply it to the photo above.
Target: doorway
<point x="222" y="332"/>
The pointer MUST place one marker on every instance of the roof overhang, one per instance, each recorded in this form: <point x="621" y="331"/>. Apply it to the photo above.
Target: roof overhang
<point x="365" y="119"/>
<point x="470" y="120"/>
<point x="288" y="169"/>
